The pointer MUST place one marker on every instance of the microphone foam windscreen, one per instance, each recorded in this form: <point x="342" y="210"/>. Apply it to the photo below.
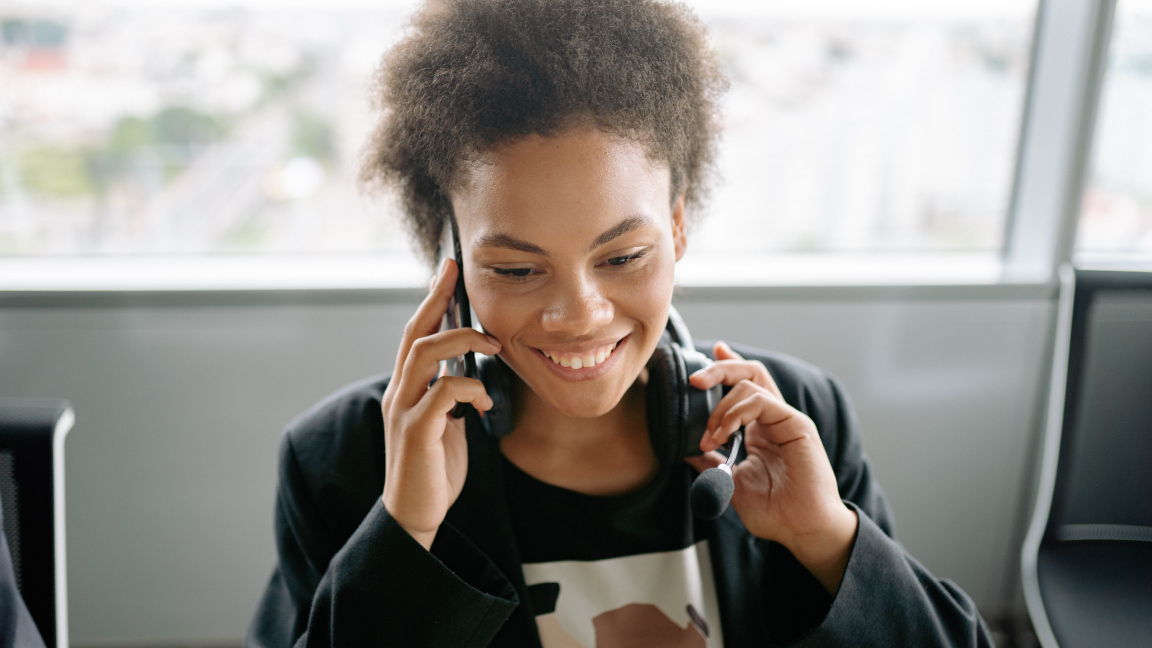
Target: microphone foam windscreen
<point x="711" y="493"/>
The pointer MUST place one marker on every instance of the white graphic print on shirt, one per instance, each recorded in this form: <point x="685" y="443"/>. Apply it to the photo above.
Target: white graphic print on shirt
<point x="665" y="600"/>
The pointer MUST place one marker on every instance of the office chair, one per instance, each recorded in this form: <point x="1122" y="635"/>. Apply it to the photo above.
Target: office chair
<point x="32" y="432"/>
<point x="1087" y="558"/>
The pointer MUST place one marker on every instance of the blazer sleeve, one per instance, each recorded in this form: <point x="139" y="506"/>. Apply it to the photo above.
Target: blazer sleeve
<point x="887" y="598"/>
<point x="374" y="587"/>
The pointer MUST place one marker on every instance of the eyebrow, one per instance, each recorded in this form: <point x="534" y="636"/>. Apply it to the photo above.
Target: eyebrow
<point x="621" y="228"/>
<point x="510" y="242"/>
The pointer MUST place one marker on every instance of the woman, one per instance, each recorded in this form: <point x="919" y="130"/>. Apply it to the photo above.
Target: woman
<point x="570" y="140"/>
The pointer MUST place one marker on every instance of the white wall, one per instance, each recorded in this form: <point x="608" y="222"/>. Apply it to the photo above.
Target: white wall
<point x="180" y="400"/>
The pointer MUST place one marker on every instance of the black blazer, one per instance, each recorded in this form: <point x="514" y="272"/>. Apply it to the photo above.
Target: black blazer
<point x="349" y="575"/>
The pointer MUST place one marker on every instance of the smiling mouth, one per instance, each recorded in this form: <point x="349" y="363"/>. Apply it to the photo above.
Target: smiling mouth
<point x="582" y="360"/>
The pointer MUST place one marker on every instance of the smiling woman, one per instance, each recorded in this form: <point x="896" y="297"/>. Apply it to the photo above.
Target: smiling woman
<point x="576" y="231"/>
<point x="569" y="249"/>
<point x="568" y="140"/>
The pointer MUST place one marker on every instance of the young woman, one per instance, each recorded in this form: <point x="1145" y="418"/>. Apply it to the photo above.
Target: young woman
<point x="570" y="140"/>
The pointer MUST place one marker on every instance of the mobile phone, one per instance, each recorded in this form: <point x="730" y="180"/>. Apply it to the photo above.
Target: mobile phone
<point x="459" y="313"/>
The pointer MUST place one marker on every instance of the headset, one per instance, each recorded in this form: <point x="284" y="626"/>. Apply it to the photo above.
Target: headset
<point x="677" y="412"/>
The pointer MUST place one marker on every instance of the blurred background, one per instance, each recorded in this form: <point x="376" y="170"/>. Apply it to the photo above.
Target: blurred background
<point x="156" y="128"/>
<point x="185" y="254"/>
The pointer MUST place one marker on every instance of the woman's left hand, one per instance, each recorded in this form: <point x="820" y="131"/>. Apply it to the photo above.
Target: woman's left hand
<point x="785" y="488"/>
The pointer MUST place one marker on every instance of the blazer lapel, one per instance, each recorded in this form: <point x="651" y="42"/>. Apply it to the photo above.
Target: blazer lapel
<point x="481" y="514"/>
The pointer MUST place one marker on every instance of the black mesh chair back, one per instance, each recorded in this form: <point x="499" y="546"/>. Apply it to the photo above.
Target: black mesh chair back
<point x="1087" y="558"/>
<point x="32" y="432"/>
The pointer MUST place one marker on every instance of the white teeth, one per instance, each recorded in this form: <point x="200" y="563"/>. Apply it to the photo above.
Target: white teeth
<point x="590" y="359"/>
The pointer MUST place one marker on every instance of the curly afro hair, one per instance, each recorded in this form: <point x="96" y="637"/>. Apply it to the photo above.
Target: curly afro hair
<point x="474" y="74"/>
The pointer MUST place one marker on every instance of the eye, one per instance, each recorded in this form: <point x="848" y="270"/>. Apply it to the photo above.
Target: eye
<point x="623" y="260"/>
<point x="519" y="273"/>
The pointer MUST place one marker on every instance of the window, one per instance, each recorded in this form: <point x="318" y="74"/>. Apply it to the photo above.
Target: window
<point x="179" y="128"/>
<point x="1116" y="215"/>
<point x="185" y="128"/>
<point x="868" y="126"/>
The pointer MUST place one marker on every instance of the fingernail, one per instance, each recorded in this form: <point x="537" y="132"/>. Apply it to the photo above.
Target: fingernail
<point x="493" y="340"/>
<point x="443" y="267"/>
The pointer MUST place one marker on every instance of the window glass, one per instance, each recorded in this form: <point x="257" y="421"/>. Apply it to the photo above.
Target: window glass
<point x="190" y="128"/>
<point x="193" y="128"/>
<point x="868" y="126"/>
<point x="1116" y="214"/>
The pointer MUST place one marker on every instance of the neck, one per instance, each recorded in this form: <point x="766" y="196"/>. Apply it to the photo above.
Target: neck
<point x="605" y="455"/>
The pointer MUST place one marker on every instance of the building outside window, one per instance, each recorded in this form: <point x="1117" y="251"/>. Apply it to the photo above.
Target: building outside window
<point x="232" y="129"/>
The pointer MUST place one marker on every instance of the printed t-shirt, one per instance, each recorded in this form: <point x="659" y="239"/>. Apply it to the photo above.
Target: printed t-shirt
<point x="607" y="572"/>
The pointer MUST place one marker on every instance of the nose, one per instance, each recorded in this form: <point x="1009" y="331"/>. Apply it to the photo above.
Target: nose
<point x="578" y="307"/>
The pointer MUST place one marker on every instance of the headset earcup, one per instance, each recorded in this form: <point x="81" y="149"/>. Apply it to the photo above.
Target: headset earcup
<point x="665" y="404"/>
<point x="698" y="404"/>
<point x="497" y="380"/>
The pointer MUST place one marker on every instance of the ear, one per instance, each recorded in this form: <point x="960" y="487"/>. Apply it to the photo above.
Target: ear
<point x="679" y="227"/>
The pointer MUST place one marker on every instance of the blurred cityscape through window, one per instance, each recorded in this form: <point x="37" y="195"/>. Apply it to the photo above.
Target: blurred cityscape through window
<point x="181" y="128"/>
<point x="1116" y="216"/>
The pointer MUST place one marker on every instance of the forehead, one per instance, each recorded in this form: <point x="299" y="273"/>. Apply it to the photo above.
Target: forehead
<point x="571" y="184"/>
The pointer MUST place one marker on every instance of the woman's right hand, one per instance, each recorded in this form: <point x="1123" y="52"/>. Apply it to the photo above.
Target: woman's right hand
<point x="425" y="448"/>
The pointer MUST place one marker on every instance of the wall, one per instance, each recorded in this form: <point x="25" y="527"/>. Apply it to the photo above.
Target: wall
<point x="180" y="400"/>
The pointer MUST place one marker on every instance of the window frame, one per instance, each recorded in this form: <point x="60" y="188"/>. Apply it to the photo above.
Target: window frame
<point x="1069" y="59"/>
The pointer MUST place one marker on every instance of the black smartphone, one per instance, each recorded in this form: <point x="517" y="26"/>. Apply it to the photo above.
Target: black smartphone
<point x="459" y="313"/>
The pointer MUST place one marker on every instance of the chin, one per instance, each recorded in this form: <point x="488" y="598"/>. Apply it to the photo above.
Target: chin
<point x="582" y="406"/>
<point x="582" y="400"/>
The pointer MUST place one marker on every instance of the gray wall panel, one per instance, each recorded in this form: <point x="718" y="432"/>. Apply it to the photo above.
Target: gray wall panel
<point x="171" y="466"/>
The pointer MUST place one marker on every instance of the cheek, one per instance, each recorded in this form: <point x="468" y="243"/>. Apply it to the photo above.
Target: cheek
<point x="649" y="296"/>
<point x="501" y="312"/>
<point x="496" y="315"/>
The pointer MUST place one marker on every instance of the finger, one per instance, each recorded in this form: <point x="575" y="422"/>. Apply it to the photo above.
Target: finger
<point x="426" y="354"/>
<point x="731" y="370"/>
<point x="449" y="390"/>
<point x="706" y="461"/>
<point x="439" y="401"/>
<point x="738" y="393"/>
<point x="724" y="352"/>
<point x="426" y="320"/>
<point x="770" y="413"/>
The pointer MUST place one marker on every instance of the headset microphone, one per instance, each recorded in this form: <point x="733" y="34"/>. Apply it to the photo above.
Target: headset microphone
<point x="713" y="489"/>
